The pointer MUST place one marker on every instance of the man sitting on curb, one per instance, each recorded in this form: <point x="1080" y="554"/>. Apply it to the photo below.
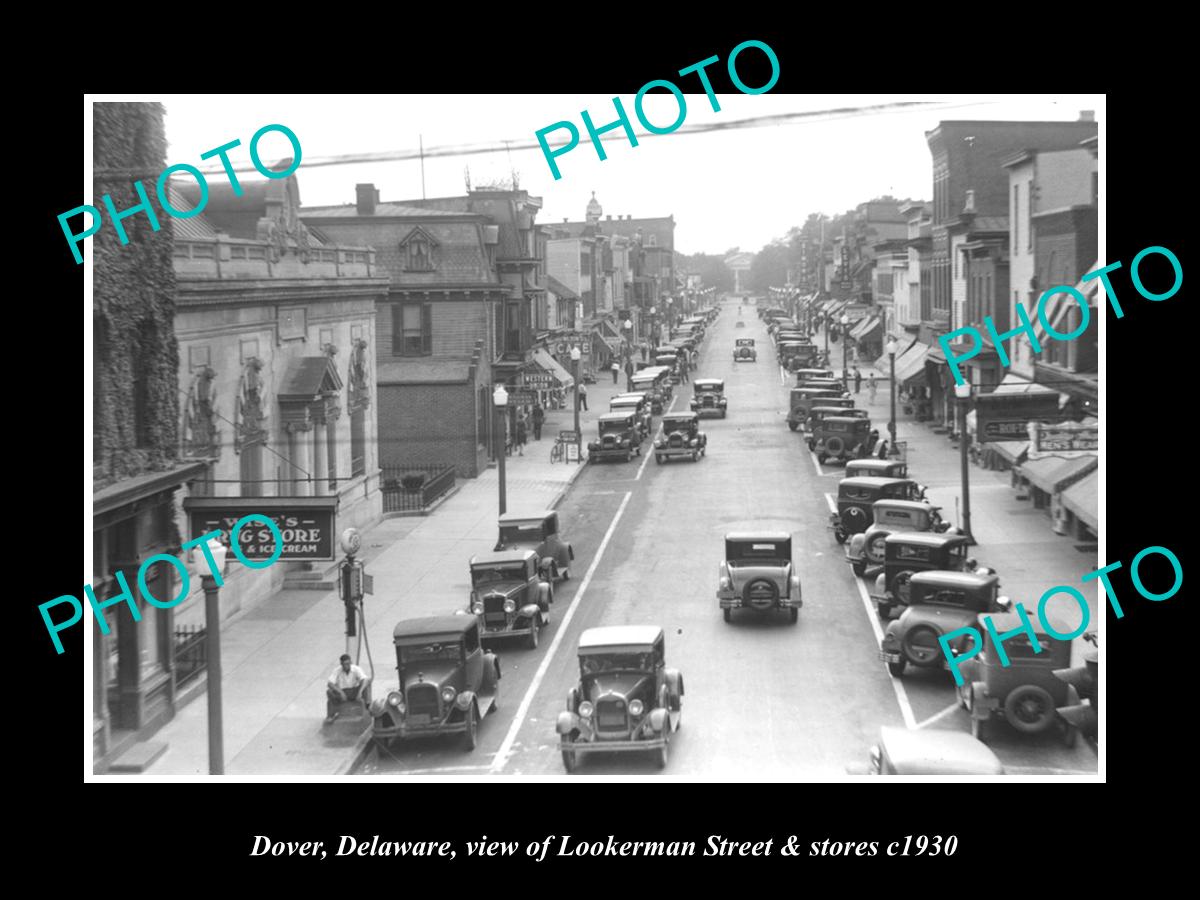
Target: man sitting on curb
<point x="348" y="682"/>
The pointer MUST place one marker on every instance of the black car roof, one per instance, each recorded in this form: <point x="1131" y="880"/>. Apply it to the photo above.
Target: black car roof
<point x="430" y="625"/>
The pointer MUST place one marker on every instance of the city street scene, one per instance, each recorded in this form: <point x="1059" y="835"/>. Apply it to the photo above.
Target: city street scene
<point x="456" y="469"/>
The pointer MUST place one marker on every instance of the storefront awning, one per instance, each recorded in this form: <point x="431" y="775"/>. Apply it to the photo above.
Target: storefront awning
<point x="1013" y="452"/>
<point x="865" y="328"/>
<point x="903" y="345"/>
<point x="1083" y="499"/>
<point x="1013" y="383"/>
<point x="551" y="365"/>
<point x="912" y="362"/>
<point x="1052" y="472"/>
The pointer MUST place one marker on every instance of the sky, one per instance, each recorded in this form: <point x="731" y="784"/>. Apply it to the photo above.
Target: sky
<point x="728" y="188"/>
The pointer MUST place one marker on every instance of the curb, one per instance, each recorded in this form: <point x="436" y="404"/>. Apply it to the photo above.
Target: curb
<point x="357" y="754"/>
<point x="558" y="498"/>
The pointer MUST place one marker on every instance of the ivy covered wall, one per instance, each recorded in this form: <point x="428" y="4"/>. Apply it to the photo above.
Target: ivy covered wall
<point x="136" y="415"/>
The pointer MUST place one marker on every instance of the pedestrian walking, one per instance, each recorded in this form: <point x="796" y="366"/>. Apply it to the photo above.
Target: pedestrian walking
<point x="857" y="380"/>
<point x="583" y="396"/>
<point x="616" y="370"/>
<point x="645" y="350"/>
<point x="883" y="449"/>
<point x="521" y="433"/>
<point x="872" y="385"/>
<point x="629" y="374"/>
<point x="538" y="417"/>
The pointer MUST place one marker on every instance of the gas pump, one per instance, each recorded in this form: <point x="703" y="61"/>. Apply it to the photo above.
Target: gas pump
<point x="353" y="584"/>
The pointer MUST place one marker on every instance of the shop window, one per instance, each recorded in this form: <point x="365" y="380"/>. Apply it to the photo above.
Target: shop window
<point x="412" y="329"/>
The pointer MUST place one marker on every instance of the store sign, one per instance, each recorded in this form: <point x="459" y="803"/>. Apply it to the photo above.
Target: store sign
<point x="1006" y="417"/>
<point x="306" y="524"/>
<point x="522" y="396"/>
<point x="1068" y="440"/>
<point x="569" y="437"/>
<point x="540" y="380"/>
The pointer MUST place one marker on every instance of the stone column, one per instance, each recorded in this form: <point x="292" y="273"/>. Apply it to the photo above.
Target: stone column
<point x="299" y="443"/>
<point x="320" y="451"/>
<point x="341" y="446"/>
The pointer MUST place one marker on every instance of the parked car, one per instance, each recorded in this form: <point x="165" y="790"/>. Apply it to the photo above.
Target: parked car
<point x="801" y="400"/>
<point x="620" y="437"/>
<point x="637" y="403"/>
<point x="538" y="531"/>
<point x="866" y="550"/>
<point x="509" y="595"/>
<point x="828" y="407"/>
<point x="805" y="375"/>
<point x="626" y="698"/>
<point x="882" y="468"/>
<point x="447" y="682"/>
<point x="906" y="553"/>
<point x="681" y="437"/>
<point x="744" y="351"/>
<point x="709" y="397"/>
<point x="928" y="751"/>
<point x="758" y="573"/>
<point x="843" y="438"/>
<point x="739" y="324"/>
<point x="939" y="603"/>
<point x="652" y="381"/>
<point x="829" y="384"/>
<point x="1025" y="693"/>
<point x="670" y="361"/>
<point x="856" y="499"/>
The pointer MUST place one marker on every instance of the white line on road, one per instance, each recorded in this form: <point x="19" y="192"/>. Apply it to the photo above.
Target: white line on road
<point x="937" y="717"/>
<point x="910" y="721"/>
<point x="506" y="747"/>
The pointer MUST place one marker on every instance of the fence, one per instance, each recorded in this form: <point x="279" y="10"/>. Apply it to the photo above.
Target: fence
<point x="191" y="654"/>
<point x="414" y="487"/>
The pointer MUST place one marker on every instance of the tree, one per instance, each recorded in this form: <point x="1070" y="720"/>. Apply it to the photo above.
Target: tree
<point x="769" y="268"/>
<point x="712" y="270"/>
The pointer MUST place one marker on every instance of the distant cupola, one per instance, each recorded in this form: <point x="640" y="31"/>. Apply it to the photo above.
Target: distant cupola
<point x="594" y="210"/>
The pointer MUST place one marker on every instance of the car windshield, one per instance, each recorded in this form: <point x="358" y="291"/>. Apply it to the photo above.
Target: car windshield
<point x="758" y="552"/>
<point x="670" y="425"/>
<point x="482" y="575"/>
<point x="613" y="427"/>
<point x="595" y="663"/>
<point x="701" y="388"/>
<point x="423" y="653"/>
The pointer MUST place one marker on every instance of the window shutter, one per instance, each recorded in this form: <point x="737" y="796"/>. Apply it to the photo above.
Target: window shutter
<point x="427" y="328"/>
<point x="397" y="330"/>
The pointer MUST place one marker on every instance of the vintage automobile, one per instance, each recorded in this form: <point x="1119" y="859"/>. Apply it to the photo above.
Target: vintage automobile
<point x="866" y="550"/>
<point x="681" y="437"/>
<point x="1083" y="716"/>
<point x="908" y="552"/>
<point x="509" y="595"/>
<point x="626" y="699"/>
<point x="789" y="350"/>
<point x="806" y="375"/>
<point x="538" y="531"/>
<point x="670" y="361"/>
<point x="856" y="498"/>
<point x="447" y="681"/>
<point x="829" y="384"/>
<point x="743" y="350"/>
<point x="843" y="438"/>
<point x="939" y="603"/>
<point x="620" y="437"/>
<point x="709" y="397"/>
<point x="652" y="381"/>
<point x="803" y="399"/>
<point x="739" y="324"/>
<point x="883" y="468"/>
<point x="1025" y="693"/>
<point x="830" y="406"/>
<point x="929" y="751"/>
<point x="637" y="403"/>
<point x="757" y="573"/>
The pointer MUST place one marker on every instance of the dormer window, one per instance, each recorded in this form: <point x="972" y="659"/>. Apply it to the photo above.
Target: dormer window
<point x="418" y="250"/>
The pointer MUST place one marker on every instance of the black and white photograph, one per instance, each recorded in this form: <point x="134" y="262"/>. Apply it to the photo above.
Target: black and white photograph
<point x="708" y="433"/>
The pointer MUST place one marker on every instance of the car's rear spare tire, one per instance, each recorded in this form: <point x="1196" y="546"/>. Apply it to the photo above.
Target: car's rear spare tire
<point x="1029" y="709"/>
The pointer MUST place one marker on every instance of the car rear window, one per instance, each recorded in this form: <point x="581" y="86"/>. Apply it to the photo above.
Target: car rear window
<point x="754" y="551"/>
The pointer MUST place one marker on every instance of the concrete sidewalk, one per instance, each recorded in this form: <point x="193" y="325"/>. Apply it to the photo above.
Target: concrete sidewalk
<point x="277" y="657"/>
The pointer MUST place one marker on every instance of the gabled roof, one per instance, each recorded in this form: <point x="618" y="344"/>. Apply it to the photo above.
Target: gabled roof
<point x="309" y="377"/>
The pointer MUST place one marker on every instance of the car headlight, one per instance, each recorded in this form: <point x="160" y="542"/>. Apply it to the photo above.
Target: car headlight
<point x="510" y="605"/>
<point x="725" y="583"/>
<point x="394" y="699"/>
<point x="477" y="609"/>
<point x="585" y="709"/>
<point x="636" y="708"/>
<point x="659" y="443"/>
<point x="448" y="694"/>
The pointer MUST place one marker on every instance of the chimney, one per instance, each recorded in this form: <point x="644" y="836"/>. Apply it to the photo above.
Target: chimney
<point x="367" y="198"/>
<point x="609" y="218"/>
<point x="564" y="220"/>
<point x="1087" y="115"/>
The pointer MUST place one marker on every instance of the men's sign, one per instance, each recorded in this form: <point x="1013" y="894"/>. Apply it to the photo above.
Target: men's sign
<point x="306" y="524"/>
<point x="1069" y="439"/>
<point x="1006" y="417"/>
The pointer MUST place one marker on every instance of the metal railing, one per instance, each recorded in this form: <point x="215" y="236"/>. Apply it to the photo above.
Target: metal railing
<point x="414" y="487"/>
<point x="191" y="654"/>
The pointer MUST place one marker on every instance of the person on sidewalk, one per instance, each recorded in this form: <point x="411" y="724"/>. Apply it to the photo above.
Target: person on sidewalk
<point x="857" y="380"/>
<point x="629" y="374"/>
<point x="348" y="682"/>
<point x="582" y="396"/>
<point x="645" y="350"/>
<point x="538" y="417"/>
<point x="871" y="386"/>
<point x="616" y="370"/>
<point x="521" y="434"/>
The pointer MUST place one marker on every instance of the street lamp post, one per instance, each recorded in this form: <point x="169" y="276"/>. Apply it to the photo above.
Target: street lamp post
<point x="845" y="352"/>
<point x="212" y="639"/>
<point x="575" y="355"/>
<point x="891" y="352"/>
<point x="825" y="324"/>
<point x="963" y="393"/>
<point x="500" y="401"/>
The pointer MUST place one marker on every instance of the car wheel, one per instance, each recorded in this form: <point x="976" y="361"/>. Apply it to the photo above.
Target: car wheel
<point x="728" y="614"/>
<point x="570" y="759"/>
<point x="658" y="458"/>
<point x="793" y="425"/>
<point x="695" y="455"/>
<point x="897" y="668"/>
<point x="469" y="739"/>
<point x="628" y="455"/>
<point x="812" y="446"/>
<point x="566" y="574"/>
<point x="533" y="634"/>
<point x="495" y="698"/>
<point x="821" y="457"/>
<point x="839" y="534"/>
<point x="794" y="615"/>
<point x="1029" y="709"/>
<point x="859" y="567"/>
<point x="885" y="609"/>
<point x="921" y="646"/>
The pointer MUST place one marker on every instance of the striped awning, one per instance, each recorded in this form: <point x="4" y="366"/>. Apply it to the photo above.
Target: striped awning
<point x="864" y="328"/>
<point x="1052" y="473"/>
<point x="1083" y="499"/>
<point x="912" y="363"/>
